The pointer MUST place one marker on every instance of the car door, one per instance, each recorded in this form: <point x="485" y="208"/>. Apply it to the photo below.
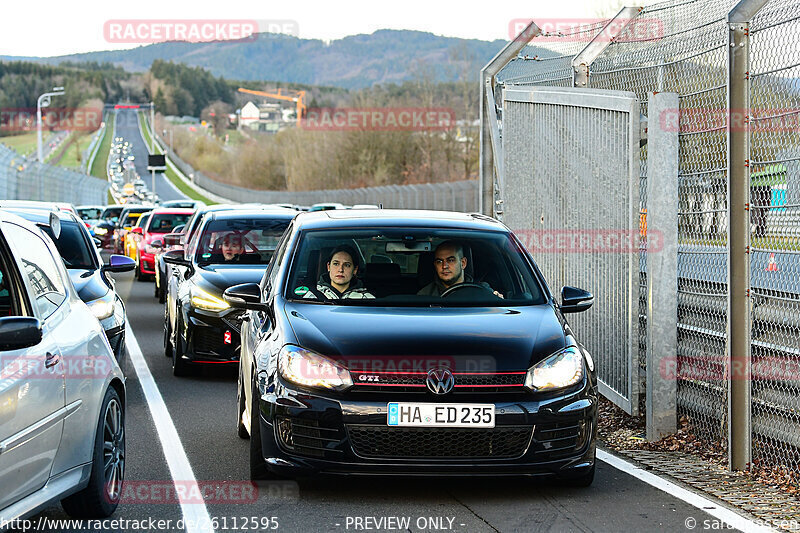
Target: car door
<point x="32" y="388"/>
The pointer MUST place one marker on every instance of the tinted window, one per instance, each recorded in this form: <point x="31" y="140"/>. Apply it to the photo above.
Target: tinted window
<point x="397" y="266"/>
<point x="142" y="222"/>
<point x="165" y="222"/>
<point x="39" y="267"/>
<point x="73" y="247"/>
<point x="253" y="240"/>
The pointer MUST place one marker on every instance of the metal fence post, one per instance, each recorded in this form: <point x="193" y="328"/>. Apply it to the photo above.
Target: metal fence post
<point x="738" y="342"/>
<point x="662" y="267"/>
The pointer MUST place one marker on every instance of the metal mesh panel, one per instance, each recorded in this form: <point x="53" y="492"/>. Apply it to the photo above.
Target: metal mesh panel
<point x="21" y="179"/>
<point x="774" y="116"/>
<point x="556" y="191"/>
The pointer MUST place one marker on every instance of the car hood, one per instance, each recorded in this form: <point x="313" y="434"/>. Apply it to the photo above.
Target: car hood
<point x="220" y="277"/>
<point x="473" y="338"/>
<point x="90" y="287"/>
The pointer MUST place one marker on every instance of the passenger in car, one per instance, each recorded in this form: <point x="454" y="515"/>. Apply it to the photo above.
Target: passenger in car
<point x="340" y="281"/>
<point x="449" y="264"/>
<point x="232" y="251"/>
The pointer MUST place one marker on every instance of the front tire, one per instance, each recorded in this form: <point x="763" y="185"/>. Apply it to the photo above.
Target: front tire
<point x="101" y="497"/>
<point x="258" y="466"/>
<point x="241" y="429"/>
<point x="180" y="368"/>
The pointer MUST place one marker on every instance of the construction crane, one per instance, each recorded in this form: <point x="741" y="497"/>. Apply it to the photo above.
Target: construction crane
<point x="292" y="96"/>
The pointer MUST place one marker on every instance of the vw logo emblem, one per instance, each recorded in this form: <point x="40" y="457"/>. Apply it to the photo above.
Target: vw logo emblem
<point x="440" y="380"/>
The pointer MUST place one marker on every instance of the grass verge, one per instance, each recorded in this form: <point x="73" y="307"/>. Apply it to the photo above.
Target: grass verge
<point x="99" y="169"/>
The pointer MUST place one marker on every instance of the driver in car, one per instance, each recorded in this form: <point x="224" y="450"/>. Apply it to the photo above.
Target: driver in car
<point x="449" y="263"/>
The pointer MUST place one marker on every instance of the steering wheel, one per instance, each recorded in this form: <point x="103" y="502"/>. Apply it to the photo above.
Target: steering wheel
<point x="466" y="285"/>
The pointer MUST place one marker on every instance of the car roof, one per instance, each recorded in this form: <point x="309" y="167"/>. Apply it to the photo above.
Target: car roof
<point x="173" y="211"/>
<point x="138" y="209"/>
<point x="276" y="212"/>
<point x="365" y="218"/>
<point x="11" y="216"/>
<point x="41" y="216"/>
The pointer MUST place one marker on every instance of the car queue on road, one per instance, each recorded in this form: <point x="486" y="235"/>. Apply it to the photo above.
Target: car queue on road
<point x="367" y="341"/>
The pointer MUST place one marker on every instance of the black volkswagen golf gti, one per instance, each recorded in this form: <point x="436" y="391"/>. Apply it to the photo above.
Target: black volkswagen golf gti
<point x="412" y="342"/>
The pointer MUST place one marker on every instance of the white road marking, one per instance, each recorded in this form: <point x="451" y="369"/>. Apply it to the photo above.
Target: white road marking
<point x="196" y="517"/>
<point x="724" y="515"/>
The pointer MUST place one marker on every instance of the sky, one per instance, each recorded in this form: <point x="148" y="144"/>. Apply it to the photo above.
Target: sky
<point x="72" y="27"/>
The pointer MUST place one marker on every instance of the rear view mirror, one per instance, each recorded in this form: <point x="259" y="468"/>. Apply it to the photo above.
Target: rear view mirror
<point x="408" y="246"/>
<point x="574" y="300"/>
<point x="17" y="332"/>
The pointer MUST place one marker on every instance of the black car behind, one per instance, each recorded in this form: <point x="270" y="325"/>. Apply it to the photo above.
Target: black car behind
<point x="200" y="327"/>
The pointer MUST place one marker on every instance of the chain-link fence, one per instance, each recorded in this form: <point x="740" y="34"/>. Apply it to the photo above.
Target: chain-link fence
<point x="683" y="47"/>
<point x="23" y="179"/>
<point x="774" y="163"/>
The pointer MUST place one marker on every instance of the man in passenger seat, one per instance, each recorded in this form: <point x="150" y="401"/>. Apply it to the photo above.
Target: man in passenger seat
<point x="449" y="264"/>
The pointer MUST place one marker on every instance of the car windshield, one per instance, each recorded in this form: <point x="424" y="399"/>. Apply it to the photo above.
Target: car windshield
<point x="247" y="241"/>
<point x="131" y="219"/>
<point x="72" y="246"/>
<point x="412" y="267"/>
<point x="90" y="213"/>
<point x="111" y="214"/>
<point x="166" y="222"/>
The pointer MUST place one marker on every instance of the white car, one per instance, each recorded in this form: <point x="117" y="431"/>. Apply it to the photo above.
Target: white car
<point x="62" y="393"/>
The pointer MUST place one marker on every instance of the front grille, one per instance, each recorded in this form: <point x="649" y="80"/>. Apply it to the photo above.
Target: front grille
<point x="559" y="439"/>
<point x="415" y="381"/>
<point x="439" y="443"/>
<point x="308" y="437"/>
<point x="208" y="341"/>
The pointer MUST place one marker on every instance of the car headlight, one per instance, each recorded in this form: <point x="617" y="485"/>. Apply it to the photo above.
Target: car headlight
<point x="562" y="369"/>
<point x="205" y="300"/>
<point x="103" y="307"/>
<point x="100" y="231"/>
<point x="310" y="369"/>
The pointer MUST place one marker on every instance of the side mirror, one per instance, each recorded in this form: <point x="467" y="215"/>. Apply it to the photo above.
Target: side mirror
<point x="137" y="231"/>
<point x="175" y="257"/>
<point x="574" y="300"/>
<point x="157" y="243"/>
<point x="97" y="243"/>
<point x="119" y="263"/>
<point x="245" y="296"/>
<point x="18" y="332"/>
<point x="172" y="239"/>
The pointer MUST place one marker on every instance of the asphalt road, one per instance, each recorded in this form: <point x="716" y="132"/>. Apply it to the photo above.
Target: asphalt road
<point x="203" y="409"/>
<point x="126" y="126"/>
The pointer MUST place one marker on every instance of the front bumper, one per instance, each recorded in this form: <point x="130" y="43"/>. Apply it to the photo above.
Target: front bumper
<point x="309" y="434"/>
<point x="212" y="337"/>
<point x="147" y="263"/>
